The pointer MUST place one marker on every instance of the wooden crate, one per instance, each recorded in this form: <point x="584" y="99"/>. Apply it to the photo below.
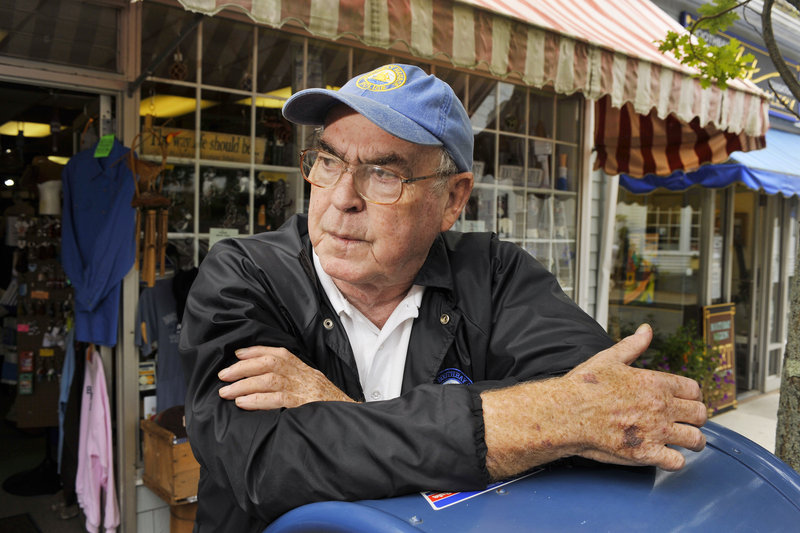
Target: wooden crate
<point x="170" y="469"/>
<point x="181" y="518"/>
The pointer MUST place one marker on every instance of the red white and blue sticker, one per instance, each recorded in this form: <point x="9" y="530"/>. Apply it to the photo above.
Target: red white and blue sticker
<point x="440" y="500"/>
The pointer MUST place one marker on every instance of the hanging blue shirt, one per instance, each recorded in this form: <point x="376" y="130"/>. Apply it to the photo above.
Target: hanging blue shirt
<point x="97" y="239"/>
<point x="158" y="329"/>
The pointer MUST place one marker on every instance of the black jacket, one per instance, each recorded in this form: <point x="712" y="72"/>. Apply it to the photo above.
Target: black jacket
<point x="490" y="311"/>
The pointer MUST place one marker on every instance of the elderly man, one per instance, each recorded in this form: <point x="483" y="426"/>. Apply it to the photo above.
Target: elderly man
<point x="364" y="351"/>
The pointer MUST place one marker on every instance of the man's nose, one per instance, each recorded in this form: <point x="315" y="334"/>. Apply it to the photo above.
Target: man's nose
<point x="344" y="194"/>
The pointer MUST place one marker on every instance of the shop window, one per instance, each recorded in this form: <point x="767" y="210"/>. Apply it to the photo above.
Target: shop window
<point x="512" y="108"/>
<point x="243" y="176"/>
<point x="165" y="105"/>
<point x="224" y="198"/>
<point x="567" y="116"/>
<point x="525" y="186"/>
<point x="280" y="65"/>
<point x="161" y="25"/>
<point x="656" y="273"/>
<point x="542" y="108"/>
<point x="327" y="66"/>
<point x="179" y="188"/>
<point x="85" y="34"/>
<point x="228" y="54"/>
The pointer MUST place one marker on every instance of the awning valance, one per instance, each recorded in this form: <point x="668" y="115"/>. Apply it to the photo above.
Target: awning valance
<point x="774" y="170"/>
<point x="600" y="48"/>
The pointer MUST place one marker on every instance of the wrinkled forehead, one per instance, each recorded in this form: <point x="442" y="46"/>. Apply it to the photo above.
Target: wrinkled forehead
<point x="346" y="131"/>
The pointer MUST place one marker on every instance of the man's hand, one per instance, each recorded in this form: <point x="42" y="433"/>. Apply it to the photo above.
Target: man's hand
<point x="271" y="378"/>
<point x="603" y="410"/>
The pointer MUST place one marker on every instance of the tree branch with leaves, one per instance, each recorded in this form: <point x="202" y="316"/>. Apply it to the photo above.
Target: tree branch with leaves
<point x="718" y="64"/>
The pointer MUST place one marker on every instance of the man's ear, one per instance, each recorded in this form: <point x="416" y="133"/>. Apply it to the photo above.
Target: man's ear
<point x="459" y="188"/>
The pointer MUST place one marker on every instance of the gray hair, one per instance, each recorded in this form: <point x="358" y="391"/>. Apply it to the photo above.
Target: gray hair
<point x="447" y="167"/>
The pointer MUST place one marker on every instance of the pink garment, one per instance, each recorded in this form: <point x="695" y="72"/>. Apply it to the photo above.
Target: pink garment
<point x="94" y="482"/>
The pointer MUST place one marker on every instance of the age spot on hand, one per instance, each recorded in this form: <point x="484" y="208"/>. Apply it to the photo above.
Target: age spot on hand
<point x="590" y="378"/>
<point x="632" y="438"/>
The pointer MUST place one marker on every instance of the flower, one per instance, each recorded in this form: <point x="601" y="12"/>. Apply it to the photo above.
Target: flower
<point x="685" y="353"/>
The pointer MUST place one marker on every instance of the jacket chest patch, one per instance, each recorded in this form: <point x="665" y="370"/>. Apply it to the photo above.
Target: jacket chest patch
<point x="450" y="376"/>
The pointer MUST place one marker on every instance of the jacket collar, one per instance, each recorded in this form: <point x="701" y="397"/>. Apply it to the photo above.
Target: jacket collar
<point x="435" y="271"/>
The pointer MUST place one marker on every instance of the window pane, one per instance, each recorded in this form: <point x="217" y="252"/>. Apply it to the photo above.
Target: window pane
<point x="179" y="188"/>
<point x="482" y="102"/>
<point x="656" y="264"/>
<point x="275" y="137"/>
<point x="225" y="128"/>
<point x="280" y="62"/>
<point x="541" y="174"/>
<point x="168" y="105"/>
<point x="327" y="65"/>
<point x="566" y="178"/>
<point x="224" y="198"/>
<point x="277" y="195"/>
<point x="227" y="53"/>
<point x="483" y="158"/>
<point x="510" y="213"/>
<point x="168" y="110"/>
<point x="511" y="161"/>
<point x="161" y="25"/>
<point x="85" y="34"/>
<point x="512" y="107"/>
<point x="568" y="118"/>
<point x="541" y="115"/>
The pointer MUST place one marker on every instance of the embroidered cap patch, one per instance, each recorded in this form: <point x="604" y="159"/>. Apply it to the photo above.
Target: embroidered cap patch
<point x="385" y="78"/>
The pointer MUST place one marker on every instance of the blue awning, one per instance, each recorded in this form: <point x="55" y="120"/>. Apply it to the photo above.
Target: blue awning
<point x="774" y="170"/>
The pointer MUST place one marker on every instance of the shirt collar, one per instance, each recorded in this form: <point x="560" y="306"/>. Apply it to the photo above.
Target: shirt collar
<point x="337" y="299"/>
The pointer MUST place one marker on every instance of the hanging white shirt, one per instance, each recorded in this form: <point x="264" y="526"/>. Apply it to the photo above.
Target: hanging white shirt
<point x="380" y="353"/>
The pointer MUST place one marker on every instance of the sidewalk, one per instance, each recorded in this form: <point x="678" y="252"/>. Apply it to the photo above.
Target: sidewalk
<point x="755" y="418"/>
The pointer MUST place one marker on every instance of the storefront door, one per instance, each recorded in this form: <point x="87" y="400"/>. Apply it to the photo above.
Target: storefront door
<point x="768" y="239"/>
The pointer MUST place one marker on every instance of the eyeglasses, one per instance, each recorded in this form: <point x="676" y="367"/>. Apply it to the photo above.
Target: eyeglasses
<point x="374" y="183"/>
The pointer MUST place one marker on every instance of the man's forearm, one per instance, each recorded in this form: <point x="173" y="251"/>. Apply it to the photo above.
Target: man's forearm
<point x="603" y="410"/>
<point x="525" y="427"/>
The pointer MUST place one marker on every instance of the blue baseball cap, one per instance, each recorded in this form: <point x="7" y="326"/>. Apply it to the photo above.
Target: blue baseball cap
<point x="400" y="99"/>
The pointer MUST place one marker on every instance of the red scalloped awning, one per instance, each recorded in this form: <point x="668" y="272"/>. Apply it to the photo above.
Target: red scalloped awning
<point x="602" y="48"/>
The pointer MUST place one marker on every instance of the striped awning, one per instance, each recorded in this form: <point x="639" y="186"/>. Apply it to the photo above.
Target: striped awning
<point x="602" y="48"/>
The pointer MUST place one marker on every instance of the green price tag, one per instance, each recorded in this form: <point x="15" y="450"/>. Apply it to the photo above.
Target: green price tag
<point x="104" y="145"/>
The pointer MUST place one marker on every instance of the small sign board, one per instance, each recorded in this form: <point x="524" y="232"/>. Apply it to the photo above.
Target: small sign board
<point x="718" y="333"/>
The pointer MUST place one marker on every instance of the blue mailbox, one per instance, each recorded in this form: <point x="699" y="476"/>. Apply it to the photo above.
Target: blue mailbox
<point x="732" y="485"/>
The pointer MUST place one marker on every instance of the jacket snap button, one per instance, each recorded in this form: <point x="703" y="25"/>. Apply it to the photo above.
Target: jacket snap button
<point x="327" y="324"/>
<point x="444" y="319"/>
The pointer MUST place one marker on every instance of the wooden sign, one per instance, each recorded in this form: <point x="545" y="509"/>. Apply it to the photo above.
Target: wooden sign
<point x="718" y="333"/>
<point x="213" y="146"/>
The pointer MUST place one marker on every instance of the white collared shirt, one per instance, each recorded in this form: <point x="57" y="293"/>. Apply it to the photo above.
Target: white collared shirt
<point x="380" y="353"/>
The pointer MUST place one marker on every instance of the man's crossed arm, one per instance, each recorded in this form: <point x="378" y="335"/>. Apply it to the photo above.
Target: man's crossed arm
<point x="603" y="409"/>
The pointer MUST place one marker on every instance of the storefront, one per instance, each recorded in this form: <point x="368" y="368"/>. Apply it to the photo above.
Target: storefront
<point x="544" y="90"/>
<point x="724" y="233"/>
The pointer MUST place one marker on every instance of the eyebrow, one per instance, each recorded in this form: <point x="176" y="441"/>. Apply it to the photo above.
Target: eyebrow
<point x="391" y="158"/>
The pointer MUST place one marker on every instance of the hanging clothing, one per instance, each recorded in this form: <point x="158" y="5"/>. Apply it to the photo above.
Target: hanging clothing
<point x="67" y="373"/>
<point x="158" y="329"/>
<point x="94" y="483"/>
<point x="98" y="246"/>
<point x="70" y="438"/>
